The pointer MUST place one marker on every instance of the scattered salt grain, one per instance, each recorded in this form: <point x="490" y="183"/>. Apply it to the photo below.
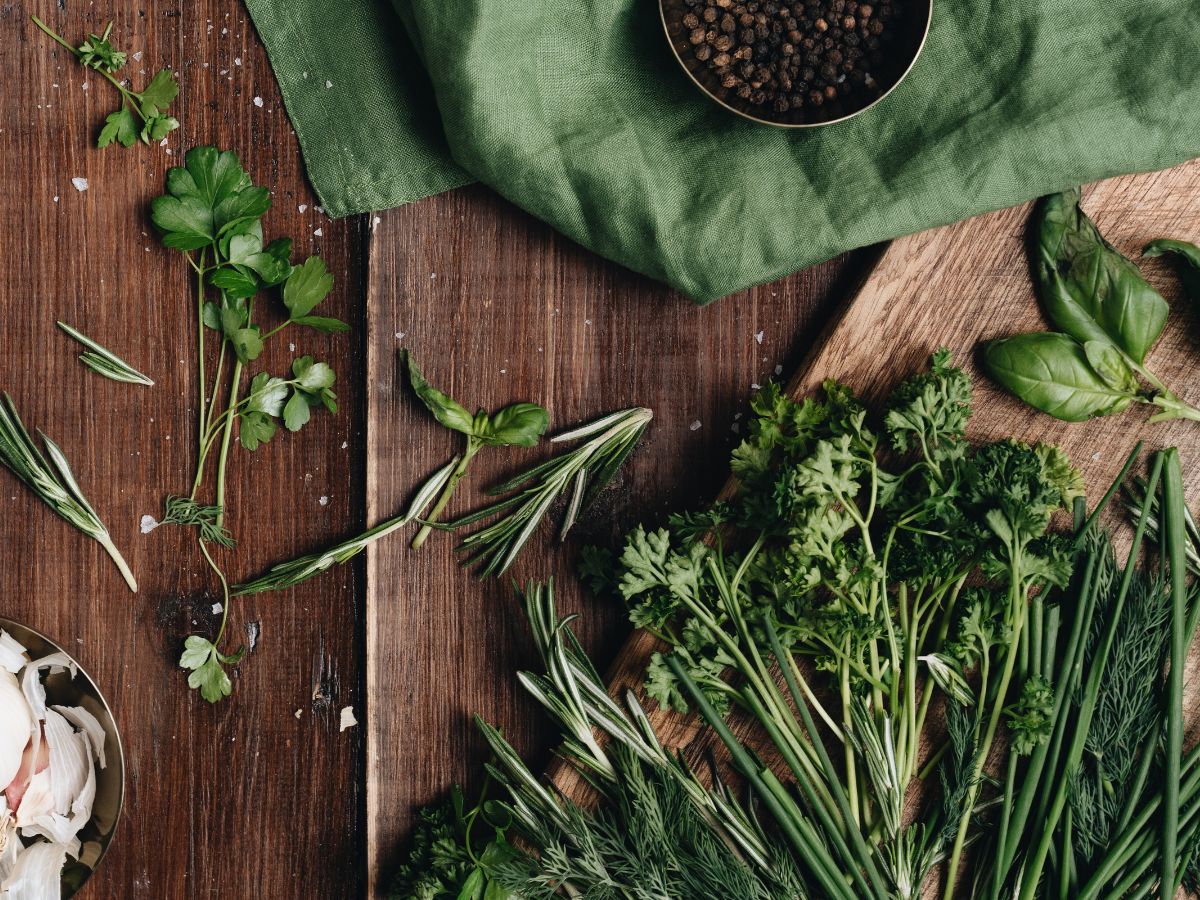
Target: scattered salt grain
<point x="323" y="500"/>
<point x="328" y="85"/>
<point x="81" y="184"/>
<point x="400" y="335"/>
<point x="304" y="75"/>
<point x="758" y="336"/>
<point x="779" y="370"/>
<point x="237" y="60"/>
<point x="258" y="101"/>
<point x="299" y="713"/>
<point x="345" y="444"/>
<point x="348" y="720"/>
<point x="84" y="86"/>
<point x="291" y="348"/>
<point x="695" y="426"/>
<point x="137" y="57"/>
<point x="302" y="207"/>
<point x="253" y="630"/>
<point x="375" y="222"/>
<point x="56" y="198"/>
<point x="148" y="524"/>
<point x="217" y="609"/>
<point x="318" y="232"/>
<point x="755" y="386"/>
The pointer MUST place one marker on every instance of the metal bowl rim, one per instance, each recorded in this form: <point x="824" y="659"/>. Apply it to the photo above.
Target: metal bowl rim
<point x="662" y="15"/>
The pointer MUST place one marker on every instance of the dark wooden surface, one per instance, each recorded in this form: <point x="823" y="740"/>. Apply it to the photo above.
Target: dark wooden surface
<point x="263" y="795"/>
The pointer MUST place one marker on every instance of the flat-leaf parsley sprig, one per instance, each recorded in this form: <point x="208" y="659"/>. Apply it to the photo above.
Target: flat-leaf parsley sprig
<point x="53" y="481"/>
<point x="212" y="213"/>
<point x="142" y="114"/>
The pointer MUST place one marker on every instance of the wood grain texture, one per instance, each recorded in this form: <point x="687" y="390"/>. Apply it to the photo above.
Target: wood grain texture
<point x="246" y="799"/>
<point x="498" y="308"/>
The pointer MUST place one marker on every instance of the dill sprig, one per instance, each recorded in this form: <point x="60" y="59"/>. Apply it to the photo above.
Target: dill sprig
<point x="53" y="481"/>
<point x="104" y="362"/>
<point x="186" y="511"/>
<point x="584" y="471"/>
<point x="296" y="571"/>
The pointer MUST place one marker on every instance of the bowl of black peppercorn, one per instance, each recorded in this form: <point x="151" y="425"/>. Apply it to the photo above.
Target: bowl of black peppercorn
<point x="796" y="63"/>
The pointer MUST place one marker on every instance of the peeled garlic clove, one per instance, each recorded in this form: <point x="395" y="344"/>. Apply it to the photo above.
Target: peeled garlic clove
<point x="16" y="727"/>
<point x="35" y="691"/>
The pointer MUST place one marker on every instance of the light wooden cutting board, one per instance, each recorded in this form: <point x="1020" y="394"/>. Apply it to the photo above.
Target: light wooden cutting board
<point x="965" y="283"/>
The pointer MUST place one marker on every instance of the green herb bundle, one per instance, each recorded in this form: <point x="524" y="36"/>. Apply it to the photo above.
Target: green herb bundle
<point x="212" y="213"/>
<point x="828" y="557"/>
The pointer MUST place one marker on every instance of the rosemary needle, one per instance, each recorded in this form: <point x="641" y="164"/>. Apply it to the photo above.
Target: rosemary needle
<point x="104" y="362"/>
<point x="53" y="481"/>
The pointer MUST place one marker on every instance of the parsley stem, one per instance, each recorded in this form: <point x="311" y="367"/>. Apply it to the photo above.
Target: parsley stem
<point x="202" y="410"/>
<point x="224" y="592"/>
<point x="54" y="35"/>
<point x="456" y="476"/>
<point x="234" y="388"/>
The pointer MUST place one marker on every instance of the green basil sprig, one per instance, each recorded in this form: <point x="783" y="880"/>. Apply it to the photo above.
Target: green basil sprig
<point x="519" y="425"/>
<point x="1108" y="316"/>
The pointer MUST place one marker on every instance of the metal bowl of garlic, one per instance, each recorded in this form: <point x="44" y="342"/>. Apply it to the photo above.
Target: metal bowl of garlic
<point x="68" y="693"/>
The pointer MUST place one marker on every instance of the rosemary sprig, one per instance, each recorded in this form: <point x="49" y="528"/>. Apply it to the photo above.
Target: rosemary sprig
<point x="53" y="481"/>
<point x="104" y="362"/>
<point x="293" y="572"/>
<point x="584" y="470"/>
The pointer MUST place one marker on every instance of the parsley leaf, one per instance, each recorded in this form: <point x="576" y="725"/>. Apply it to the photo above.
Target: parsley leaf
<point x="307" y="285"/>
<point x="207" y="665"/>
<point x="206" y="197"/>
<point x="119" y="126"/>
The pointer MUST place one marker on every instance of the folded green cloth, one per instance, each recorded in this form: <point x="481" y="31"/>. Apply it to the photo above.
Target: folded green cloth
<point x="577" y="112"/>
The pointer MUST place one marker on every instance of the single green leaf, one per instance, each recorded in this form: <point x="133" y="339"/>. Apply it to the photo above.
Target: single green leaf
<point x="312" y="377"/>
<point x="323" y="324"/>
<point x="267" y="395"/>
<point x="255" y="428"/>
<point x="208" y="674"/>
<point x="296" y="413"/>
<point x="196" y="651"/>
<point x="520" y="425"/>
<point x="472" y="888"/>
<point x="211" y="314"/>
<point x="246" y="342"/>
<point x="1050" y="372"/>
<point x="119" y="126"/>
<point x="158" y="127"/>
<point x="1107" y="362"/>
<point x="206" y="196"/>
<point x="247" y="250"/>
<point x="1188" y="254"/>
<point x="444" y="408"/>
<point x="307" y="285"/>
<point x="237" y="284"/>
<point x="158" y="94"/>
<point x="1090" y="290"/>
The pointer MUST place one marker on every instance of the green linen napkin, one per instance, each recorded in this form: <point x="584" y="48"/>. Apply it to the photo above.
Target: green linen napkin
<point x="576" y="111"/>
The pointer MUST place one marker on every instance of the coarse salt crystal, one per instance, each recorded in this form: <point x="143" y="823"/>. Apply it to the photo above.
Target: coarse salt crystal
<point x="237" y="60"/>
<point x="758" y="336"/>
<point x="695" y="426"/>
<point x="323" y="500"/>
<point x="217" y="609"/>
<point x="258" y="101"/>
<point x="348" y="720"/>
<point x="80" y="184"/>
<point x="302" y="207"/>
<point x="148" y="524"/>
<point x="318" y="232"/>
<point x="328" y="84"/>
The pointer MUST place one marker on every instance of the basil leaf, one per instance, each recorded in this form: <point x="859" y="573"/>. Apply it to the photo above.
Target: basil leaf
<point x="1189" y="254"/>
<point x="1051" y="372"/>
<point x="1107" y="362"/>
<point x="519" y="425"/>
<point x="1090" y="290"/>
<point x="444" y="408"/>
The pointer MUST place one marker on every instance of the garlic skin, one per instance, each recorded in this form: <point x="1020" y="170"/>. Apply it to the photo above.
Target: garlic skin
<point x="48" y="758"/>
<point x="16" y="727"/>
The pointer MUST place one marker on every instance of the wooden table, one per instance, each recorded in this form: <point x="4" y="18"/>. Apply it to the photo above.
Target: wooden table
<point x="263" y="795"/>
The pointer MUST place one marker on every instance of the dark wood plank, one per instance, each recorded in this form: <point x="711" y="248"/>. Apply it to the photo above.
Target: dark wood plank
<point x="499" y="308"/>
<point x="260" y="796"/>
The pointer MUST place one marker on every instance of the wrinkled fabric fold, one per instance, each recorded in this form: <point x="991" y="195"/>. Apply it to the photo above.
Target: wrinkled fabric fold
<point x="577" y="112"/>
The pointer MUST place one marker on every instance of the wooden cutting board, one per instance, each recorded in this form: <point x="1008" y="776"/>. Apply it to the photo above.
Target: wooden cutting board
<point x="969" y="282"/>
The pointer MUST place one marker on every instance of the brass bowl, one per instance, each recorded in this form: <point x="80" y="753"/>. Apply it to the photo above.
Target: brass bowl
<point x="63" y="690"/>
<point x="902" y="56"/>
